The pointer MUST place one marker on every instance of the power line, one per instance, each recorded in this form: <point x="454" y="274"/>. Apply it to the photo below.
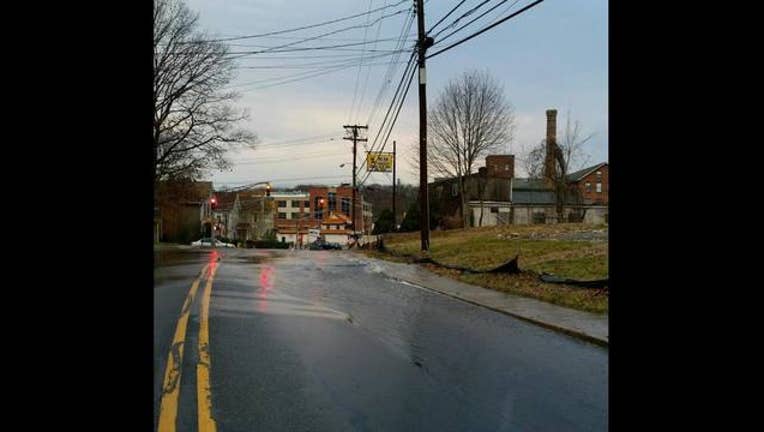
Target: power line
<point x="485" y="29"/>
<point x="290" y="159"/>
<point x="307" y="65"/>
<point x="387" y="79"/>
<point x="303" y="27"/>
<point x="395" y="96"/>
<point x="297" y="56"/>
<point x="395" y="119"/>
<point x="326" y="135"/>
<point x="337" y="47"/>
<point x="446" y="16"/>
<point x="464" y="15"/>
<point x="358" y="75"/>
<point x="390" y="38"/>
<point x="368" y="69"/>
<point x="268" y="82"/>
<point x="472" y="21"/>
<point x="274" y="49"/>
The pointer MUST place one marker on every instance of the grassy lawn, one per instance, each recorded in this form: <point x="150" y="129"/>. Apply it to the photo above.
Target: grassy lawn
<point x="542" y="248"/>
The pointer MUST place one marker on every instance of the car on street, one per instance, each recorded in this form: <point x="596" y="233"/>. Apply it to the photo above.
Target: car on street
<point x="207" y="242"/>
<point x="318" y="245"/>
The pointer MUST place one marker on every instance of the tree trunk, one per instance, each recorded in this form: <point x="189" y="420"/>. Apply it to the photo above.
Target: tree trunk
<point x="461" y="195"/>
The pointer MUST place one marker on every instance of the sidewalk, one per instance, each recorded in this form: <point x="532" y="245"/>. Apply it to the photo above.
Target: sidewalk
<point x="586" y="325"/>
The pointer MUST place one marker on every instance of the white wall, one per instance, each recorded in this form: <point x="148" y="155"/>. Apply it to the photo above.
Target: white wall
<point x="336" y="238"/>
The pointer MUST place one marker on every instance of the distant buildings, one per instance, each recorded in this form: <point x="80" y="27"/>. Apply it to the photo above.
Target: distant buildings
<point x="494" y="196"/>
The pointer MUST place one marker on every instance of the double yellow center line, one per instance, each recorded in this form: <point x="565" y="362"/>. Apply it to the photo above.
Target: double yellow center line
<point x="168" y="408"/>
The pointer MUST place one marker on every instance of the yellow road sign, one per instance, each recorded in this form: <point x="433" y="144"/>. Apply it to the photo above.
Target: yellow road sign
<point x="380" y="162"/>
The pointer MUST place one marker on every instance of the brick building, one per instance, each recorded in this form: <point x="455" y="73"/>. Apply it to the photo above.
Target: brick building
<point x="494" y="196"/>
<point x="291" y="216"/>
<point x="592" y="183"/>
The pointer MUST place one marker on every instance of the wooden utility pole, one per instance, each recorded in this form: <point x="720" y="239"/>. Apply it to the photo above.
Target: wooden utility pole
<point x="395" y="223"/>
<point x="353" y="129"/>
<point x="423" y="43"/>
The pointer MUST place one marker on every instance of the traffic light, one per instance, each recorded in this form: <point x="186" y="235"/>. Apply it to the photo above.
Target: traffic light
<point x="213" y="202"/>
<point x="268" y="189"/>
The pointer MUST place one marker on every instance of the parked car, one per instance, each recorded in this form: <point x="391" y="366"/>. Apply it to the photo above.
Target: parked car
<point x="324" y="246"/>
<point x="207" y="242"/>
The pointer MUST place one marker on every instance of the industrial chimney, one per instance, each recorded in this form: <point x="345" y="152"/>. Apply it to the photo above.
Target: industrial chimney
<point x="551" y="143"/>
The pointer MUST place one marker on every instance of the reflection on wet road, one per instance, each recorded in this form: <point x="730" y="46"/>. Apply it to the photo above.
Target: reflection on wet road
<point x="323" y="340"/>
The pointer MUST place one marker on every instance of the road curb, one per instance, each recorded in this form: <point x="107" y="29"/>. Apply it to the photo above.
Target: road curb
<point x="570" y="332"/>
<point x="551" y="326"/>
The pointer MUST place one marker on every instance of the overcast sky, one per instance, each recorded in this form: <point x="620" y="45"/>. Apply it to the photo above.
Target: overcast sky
<point x="552" y="56"/>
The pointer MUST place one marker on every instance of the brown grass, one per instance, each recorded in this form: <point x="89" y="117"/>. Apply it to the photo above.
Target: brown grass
<point x="539" y="251"/>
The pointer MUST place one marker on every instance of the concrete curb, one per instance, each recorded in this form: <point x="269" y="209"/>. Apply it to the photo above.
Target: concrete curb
<point x="546" y="324"/>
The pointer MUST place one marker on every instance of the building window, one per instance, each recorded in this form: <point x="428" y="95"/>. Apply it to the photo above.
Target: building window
<point x="588" y="187"/>
<point x="494" y="209"/>
<point x="306" y="204"/>
<point x="599" y="187"/>
<point x="454" y="189"/>
<point x="282" y="203"/>
<point x="282" y="215"/>
<point x="332" y="201"/>
<point x="318" y="212"/>
<point x="345" y="203"/>
<point x="506" y="167"/>
<point x="539" y="217"/>
<point x="295" y="204"/>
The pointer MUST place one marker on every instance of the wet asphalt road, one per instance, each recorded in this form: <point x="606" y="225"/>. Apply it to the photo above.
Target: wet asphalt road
<point x="323" y="341"/>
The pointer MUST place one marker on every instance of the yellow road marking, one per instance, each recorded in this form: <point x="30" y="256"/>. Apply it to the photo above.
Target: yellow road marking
<point x="168" y="407"/>
<point x="203" y="394"/>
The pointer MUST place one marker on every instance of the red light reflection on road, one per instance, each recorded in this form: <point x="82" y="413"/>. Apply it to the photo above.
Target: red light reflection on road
<point x="214" y="258"/>
<point x="266" y="283"/>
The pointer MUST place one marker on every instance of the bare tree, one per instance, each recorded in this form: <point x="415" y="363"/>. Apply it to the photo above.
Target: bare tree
<point x="569" y="155"/>
<point x="470" y="119"/>
<point x="194" y="122"/>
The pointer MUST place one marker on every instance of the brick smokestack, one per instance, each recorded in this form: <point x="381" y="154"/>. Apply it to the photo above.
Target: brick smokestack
<point x="551" y="143"/>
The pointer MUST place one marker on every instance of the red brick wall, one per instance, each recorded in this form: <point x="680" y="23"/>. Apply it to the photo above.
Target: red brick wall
<point x="341" y="192"/>
<point x="497" y="166"/>
<point x="592" y="196"/>
<point x="307" y="222"/>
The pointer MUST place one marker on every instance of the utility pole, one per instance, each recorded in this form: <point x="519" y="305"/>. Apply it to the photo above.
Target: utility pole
<point x="355" y="139"/>
<point x="423" y="43"/>
<point x="395" y="223"/>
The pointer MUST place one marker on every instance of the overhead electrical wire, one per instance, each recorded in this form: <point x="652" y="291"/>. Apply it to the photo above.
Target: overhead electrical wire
<point x="459" y="42"/>
<point x="226" y="39"/>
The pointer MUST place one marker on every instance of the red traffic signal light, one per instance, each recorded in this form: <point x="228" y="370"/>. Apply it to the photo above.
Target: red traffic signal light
<point x="213" y="202"/>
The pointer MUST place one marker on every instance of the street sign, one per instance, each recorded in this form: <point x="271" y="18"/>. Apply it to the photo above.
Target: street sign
<point x="379" y="162"/>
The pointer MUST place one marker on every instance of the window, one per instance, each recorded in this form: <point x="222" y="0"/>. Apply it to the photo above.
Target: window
<point x="282" y="203"/>
<point x="332" y="201"/>
<point x="345" y="203"/>
<point x="282" y="215"/>
<point x="599" y="187"/>
<point x="306" y="204"/>
<point x="454" y="189"/>
<point x="539" y="217"/>
<point x="506" y="167"/>
<point x="494" y="209"/>
<point x="318" y="212"/>
<point x="295" y="204"/>
<point x="588" y="187"/>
